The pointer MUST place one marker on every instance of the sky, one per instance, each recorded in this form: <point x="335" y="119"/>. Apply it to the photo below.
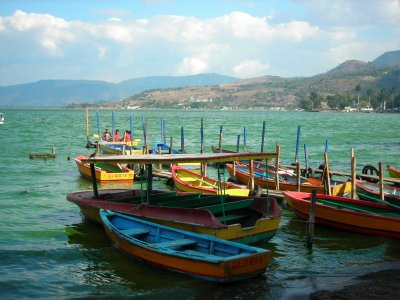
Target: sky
<point x="123" y="39"/>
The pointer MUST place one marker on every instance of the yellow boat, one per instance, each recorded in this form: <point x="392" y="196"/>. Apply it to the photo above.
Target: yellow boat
<point x="188" y="181"/>
<point x="105" y="172"/>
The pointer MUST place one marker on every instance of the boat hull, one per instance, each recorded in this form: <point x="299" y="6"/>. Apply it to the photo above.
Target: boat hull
<point x="346" y="219"/>
<point x="393" y="172"/>
<point x="244" y="178"/>
<point x="191" y="262"/>
<point x="188" y="181"/>
<point x="105" y="172"/>
<point x="191" y="219"/>
<point x="372" y="190"/>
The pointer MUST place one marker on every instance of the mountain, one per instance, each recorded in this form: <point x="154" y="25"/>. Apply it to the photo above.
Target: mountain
<point x="276" y="92"/>
<point x="64" y="92"/>
<point x="209" y="90"/>
<point x="388" y="59"/>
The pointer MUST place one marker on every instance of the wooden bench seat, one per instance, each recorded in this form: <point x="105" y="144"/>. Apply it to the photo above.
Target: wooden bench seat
<point x="176" y="244"/>
<point x="229" y="206"/>
<point x="135" y="231"/>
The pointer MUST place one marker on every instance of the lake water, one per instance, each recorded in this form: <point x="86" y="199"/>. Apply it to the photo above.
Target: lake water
<point x="48" y="251"/>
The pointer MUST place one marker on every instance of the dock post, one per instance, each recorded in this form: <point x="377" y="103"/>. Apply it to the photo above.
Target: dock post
<point x="353" y="174"/>
<point x="311" y="219"/>
<point x="251" y="173"/>
<point x="298" y="184"/>
<point x="381" y="190"/>
<point x="327" y="179"/>
<point x="297" y="144"/>
<point x="278" y="151"/>
<point x="244" y="139"/>
<point x="149" y="178"/>
<point x="182" y="140"/>
<point x="220" y="139"/>
<point x="94" y="182"/>
<point x="263" y="137"/>
<point x="238" y="143"/>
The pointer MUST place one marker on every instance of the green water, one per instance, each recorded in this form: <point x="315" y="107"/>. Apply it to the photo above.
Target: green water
<point x="48" y="251"/>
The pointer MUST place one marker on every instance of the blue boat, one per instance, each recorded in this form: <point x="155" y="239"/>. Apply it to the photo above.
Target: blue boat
<point x="197" y="255"/>
<point x="161" y="148"/>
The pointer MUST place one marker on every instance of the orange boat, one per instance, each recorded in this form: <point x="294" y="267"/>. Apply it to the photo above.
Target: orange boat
<point x="347" y="214"/>
<point x="393" y="172"/>
<point x="105" y="171"/>
<point x="287" y="182"/>
<point x="197" y="255"/>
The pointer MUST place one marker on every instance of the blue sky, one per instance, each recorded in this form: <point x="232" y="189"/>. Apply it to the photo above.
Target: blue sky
<point x="119" y="40"/>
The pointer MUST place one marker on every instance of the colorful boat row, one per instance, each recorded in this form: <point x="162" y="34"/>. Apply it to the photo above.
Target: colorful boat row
<point x="216" y="218"/>
<point x="347" y="214"/>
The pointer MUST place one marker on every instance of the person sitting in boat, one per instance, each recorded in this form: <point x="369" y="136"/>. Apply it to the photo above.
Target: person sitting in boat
<point x="116" y="137"/>
<point x="106" y="135"/>
<point x="127" y="136"/>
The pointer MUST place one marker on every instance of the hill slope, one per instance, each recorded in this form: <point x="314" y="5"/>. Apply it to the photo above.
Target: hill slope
<point x="64" y="92"/>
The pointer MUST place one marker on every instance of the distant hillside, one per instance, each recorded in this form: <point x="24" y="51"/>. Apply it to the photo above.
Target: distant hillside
<point x="209" y="90"/>
<point x="275" y="92"/>
<point x="388" y="59"/>
<point x="64" y="92"/>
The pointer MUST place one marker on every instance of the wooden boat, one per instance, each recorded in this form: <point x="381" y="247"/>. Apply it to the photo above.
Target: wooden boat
<point x="218" y="150"/>
<point x="287" y="181"/>
<point x="372" y="190"/>
<point x="347" y="214"/>
<point x="44" y="155"/>
<point x="393" y="172"/>
<point x="105" y="172"/>
<point x="188" y="181"/>
<point x="201" y="256"/>
<point x="242" y="219"/>
<point x="161" y="148"/>
<point x="256" y="220"/>
<point x="2" y="119"/>
<point x="118" y="149"/>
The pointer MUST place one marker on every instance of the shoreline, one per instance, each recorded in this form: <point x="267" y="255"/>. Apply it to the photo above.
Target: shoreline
<point x="382" y="285"/>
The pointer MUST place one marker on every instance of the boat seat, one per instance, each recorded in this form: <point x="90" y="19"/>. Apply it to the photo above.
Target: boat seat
<point x="165" y="200"/>
<point x="135" y="231"/>
<point x="175" y="244"/>
<point x="229" y="206"/>
<point x="196" y="203"/>
<point x="230" y="218"/>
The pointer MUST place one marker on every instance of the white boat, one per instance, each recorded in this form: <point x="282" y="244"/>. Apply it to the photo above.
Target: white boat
<point x="2" y="118"/>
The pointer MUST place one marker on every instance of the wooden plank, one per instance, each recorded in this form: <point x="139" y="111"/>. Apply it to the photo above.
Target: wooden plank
<point x="175" y="244"/>
<point x="231" y="218"/>
<point x="135" y="231"/>
<point x="235" y="205"/>
<point x="196" y="203"/>
<point x="179" y="158"/>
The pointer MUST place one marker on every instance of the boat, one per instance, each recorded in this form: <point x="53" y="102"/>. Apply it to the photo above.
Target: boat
<point x="218" y="150"/>
<point x="242" y="219"/>
<point x="116" y="149"/>
<point x="162" y="148"/>
<point x="188" y="181"/>
<point x="250" y="221"/>
<point x="347" y="214"/>
<point x="2" y="119"/>
<point x="367" y="190"/>
<point x="393" y="172"/>
<point x="200" y="256"/>
<point x="105" y="172"/>
<point x="287" y="181"/>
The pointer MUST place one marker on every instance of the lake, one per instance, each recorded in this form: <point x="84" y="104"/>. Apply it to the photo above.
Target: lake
<point x="47" y="250"/>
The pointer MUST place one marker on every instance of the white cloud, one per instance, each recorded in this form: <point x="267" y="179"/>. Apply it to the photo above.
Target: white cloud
<point x="192" y="65"/>
<point x="237" y="43"/>
<point x="250" y="68"/>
